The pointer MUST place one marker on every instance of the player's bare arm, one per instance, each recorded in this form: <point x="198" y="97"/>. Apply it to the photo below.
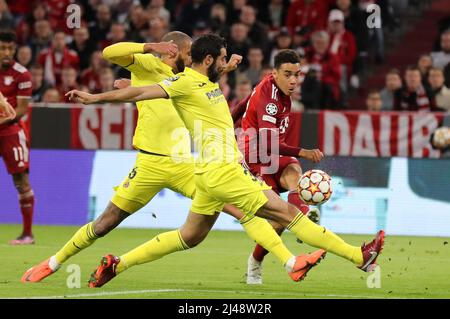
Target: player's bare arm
<point x="7" y="112"/>
<point x="233" y="63"/>
<point x="122" y="53"/>
<point x="129" y="94"/>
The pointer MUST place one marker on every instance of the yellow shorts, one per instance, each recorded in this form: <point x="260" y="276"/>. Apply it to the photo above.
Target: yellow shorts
<point x="150" y="174"/>
<point x="231" y="184"/>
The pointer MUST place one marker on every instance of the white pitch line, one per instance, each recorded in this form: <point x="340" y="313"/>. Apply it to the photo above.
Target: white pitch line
<point x="149" y="291"/>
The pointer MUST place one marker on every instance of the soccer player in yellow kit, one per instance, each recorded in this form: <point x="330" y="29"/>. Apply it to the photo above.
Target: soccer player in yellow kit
<point x="163" y="161"/>
<point x="219" y="178"/>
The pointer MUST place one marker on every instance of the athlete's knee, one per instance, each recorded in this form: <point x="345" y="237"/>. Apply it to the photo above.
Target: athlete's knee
<point x="110" y="219"/>
<point x="22" y="183"/>
<point x="193" y="237"/>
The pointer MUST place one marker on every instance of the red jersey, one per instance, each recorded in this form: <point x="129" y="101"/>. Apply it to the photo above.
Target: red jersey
<point x="15" y="81"/>
<point x="268" y="109"/>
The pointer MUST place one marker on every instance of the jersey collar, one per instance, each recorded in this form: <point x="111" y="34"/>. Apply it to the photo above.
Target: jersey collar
<point x="196" y="74"/>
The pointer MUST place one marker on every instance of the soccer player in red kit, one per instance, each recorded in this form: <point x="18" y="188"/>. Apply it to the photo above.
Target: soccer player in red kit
<point x="262" y="141"/>
<point x="15" y="86"/>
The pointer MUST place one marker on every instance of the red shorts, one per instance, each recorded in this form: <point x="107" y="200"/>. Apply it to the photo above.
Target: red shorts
<point x="273" y="180"/>
<point x="15" y="150"/>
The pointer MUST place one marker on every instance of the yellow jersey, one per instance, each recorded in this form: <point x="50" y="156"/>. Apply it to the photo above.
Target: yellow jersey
<point x="204" y="111"/>
<point x="159" y="128"/>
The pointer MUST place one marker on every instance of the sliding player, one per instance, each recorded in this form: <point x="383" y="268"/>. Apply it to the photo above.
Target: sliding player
<point x="219" y="178"/>
<point x="162" y="162"/>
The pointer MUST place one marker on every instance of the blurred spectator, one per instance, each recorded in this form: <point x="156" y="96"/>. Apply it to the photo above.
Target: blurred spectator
<point x="91" y="76"/>
<point x="38" y="82"/>
<point x="82" y="45"/>
<point x="115" y="35"/>
<point x="51" y="95"/>
<point x="425" y="64"/>
<point x="137" y="23"/>
<point x="224" y="86"/>
<point x="200" y="29"/>
<point x="324" y="75"/>
<point x="218" y="20"/>
<point x="99" y="28"/>
<point x="373" y="101"/>
<point x="296" y="97"/>
<point x="68" y="82"/>
<point x="282" y="41"/>
<point x="19" y="8"/>
<point x="156" y="9"/>
<point x="57" y="13"/>
<point x="266" y="70"/>
<point x="393" y="82"/>
<point x="309" y="14"/>
<point x="441" y="92"/>
<point x="106" y="80"/>
<point x="355" y="23"/>
<point x="42" y="37"/>
<point x="193" y="11"/>
<point x="239" y="42"/>
<point x="414" y="96"/>
<point x="255" y="64"/>
<point x="234" y="10"/>
<point x="25" y="27"/>
<point x="56" y="58"/>
<point x="243" y="89"/>
<point x="442" y="58"/>
<point x="157" y="29"/>
<point x="342" y="44"/>
<point x="6" y="19"/>
<point x="273" y="13"/>
<point x="257" y="31"/>
<point x="24" y="56"/>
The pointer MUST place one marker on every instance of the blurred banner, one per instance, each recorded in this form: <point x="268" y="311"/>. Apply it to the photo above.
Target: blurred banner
<point x="368" y="134"/>
<point x="403" y="196"/>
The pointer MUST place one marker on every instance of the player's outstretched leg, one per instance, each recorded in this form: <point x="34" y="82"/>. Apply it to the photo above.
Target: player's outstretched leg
<point x="193" y="231"/>
<point x="83" y="238"/>
<point x="310" y="233"/>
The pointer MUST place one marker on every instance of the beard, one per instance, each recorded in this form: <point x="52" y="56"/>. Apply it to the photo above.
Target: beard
<point x="180" y="64"/>
<point x="213" y="74"/>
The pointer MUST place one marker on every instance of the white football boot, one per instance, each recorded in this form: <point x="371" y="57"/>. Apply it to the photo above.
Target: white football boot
<point x="254" y="271"/>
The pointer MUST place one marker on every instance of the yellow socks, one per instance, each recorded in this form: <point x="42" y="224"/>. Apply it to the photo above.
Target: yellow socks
<point x="84" y="237"/>
<point x="321" y="237"/>
<point x="263" y="233"/>
<point x="158" y="247"/>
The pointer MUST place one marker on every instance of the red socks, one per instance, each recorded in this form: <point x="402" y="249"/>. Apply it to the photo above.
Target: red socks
<point x="295" y="200"/>
<point x="26" y="201"/>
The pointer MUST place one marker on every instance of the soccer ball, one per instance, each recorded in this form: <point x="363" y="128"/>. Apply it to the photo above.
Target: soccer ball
<point x="441" y="137"/>
<point x="314" y="187"/>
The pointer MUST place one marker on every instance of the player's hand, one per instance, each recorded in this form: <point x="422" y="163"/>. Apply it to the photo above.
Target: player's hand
<point x="122" y="83"/>
<point x="169" y="48"/>
<point x="81" y="97"/>
<point x="314" y="155"/>
<point x="7" y="112"/>
<point x="233" y="63"/>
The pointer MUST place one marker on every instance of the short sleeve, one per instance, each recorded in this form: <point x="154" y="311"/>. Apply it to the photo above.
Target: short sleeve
<point x="143" y="62"/>
<point x="24" y="85"/>
<point x="176" y="86"/>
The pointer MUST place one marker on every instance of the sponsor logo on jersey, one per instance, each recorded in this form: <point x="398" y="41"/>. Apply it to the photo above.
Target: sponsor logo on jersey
<point x="213" y="94"/>
<point x="8" y="80"/>
<point x="271" y="109"/>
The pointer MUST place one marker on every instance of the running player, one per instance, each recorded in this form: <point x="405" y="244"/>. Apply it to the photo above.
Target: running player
<point x="162" y="161"/>
<point x="219" y="178"/>
<point x="265" y="122"/>
<point x="15" y="86"/>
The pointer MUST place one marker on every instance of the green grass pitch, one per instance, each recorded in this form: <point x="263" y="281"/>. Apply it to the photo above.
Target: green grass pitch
<point x="411" y="267"/>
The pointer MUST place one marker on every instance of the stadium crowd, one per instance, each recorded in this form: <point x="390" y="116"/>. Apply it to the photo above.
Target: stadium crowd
<point x="332" y="35"/>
